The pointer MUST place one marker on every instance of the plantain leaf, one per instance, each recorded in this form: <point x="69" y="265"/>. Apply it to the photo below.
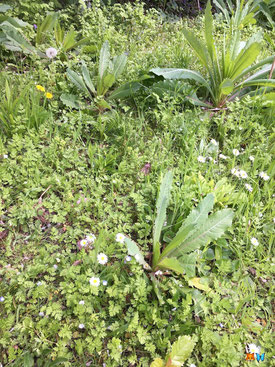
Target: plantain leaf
<point x="161" y="206"/>
<point x="87" y="78"/>
<point x="209" y="31"/>
<point x="126" y="90"/>
<point x="104" y="59"/>
<point x="69" y="40"/>
<point x="213" y="228"/>
<point x="77" y="81"/>
<point x="171" y="263"/>
<point x="227" y="87"/>
<point x="47" y="24"/>
<point x="181" y="351"/>
<point x="198" y="47"/>
<point x="245" y="59"/>
<point x="119" y="63"/>
<point x="108" y="81"/>
<point x="133" y="250"/>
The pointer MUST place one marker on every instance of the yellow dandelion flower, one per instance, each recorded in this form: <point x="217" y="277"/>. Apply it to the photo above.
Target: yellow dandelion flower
<point x="39" y="87"/>
<point x="49" y="95"/>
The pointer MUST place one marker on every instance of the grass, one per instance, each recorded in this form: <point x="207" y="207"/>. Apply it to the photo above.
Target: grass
<point x="76" y="172"/>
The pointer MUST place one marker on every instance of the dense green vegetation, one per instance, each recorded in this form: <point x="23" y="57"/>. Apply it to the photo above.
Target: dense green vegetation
<point x="136" y="183"/>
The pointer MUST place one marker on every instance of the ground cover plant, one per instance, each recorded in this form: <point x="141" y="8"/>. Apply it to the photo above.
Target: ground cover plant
<point x="136" y="226"/>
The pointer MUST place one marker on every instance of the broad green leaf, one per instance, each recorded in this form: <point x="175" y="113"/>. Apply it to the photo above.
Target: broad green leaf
<point x="250" y="69"/>
<point x="103" y="104"/>
<point x="28" y="360"/>
<point x="4" y="8"/>
<point x="133" y="250"/>
<point x="83" y="41"/>
<point x="171" y="263"/>
<point x="188" y="262"/>
<point x="104" y="59"/>
<point x="245" y="59"/>
<point x="119" y="63"/>
<point x="77" y="80"/>
<point x="70" y="100"/>
<point x="46" y="25"/>
<point x="126" y="90"/>
<point x="69" y="40"/>
<point x="161" y="206"/>
<point x="16" y="38"/>
<point x="258" y="83"/>
<point x="181" y="351"/>
<point x="58" y="33"/>
<point x="108" y="81"/>
<point x="213" y="228"/>
<point x="157" y="363"/>
<point x="227" y="87"/>
<point x="195" y="282"/>
<point x="87" y="79"/>
<point x="209" y="31"/>
<point x="198" y="47"/>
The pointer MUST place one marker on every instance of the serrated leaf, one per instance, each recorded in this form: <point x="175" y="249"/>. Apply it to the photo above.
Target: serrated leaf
<point x="195" y="282"/>
<point x="133" y="250"/>
<point x="188" y="262"/>
<point x="161" y="206"/>
<point x="157" y="363"/>
<point x="181" y="351"/>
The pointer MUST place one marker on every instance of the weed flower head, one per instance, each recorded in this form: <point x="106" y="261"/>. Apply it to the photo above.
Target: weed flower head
<point x="51" y="52"/>
<point x="251" y="158"/>
<point x="223" y="156"/>
<point x="248" y="187"/>
<point x="235" y="172"/>
<point x="39" y="87"/>
<point x="120" y="237"/>
<point x="235" y="152"/>
<point x="102" y="258"/>
<point x="128" y="258"/>
<point x="193" y="365"/>
<point x="254" y="241"/>
<point x="91" y="238"/>
<point x="81" y="302"/>
<point x="81" y="326"/>
<point x="264" y="176"/>
<point x="104" y="282"/>
<point x="83" y="243"/>
<point x="2" y="299"/>
<point x="48" y="95"/>
<point x="242" y="174"/>
<point x="201" y="159"/>
<point x="94" y="282"/>
<point x="41" y="313"/>
<point x="214" y="142"/>
<point x="253" y="348"/>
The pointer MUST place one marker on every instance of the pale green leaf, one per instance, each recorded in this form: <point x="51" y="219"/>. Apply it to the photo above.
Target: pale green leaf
<point x="157" y="363"/>
<point x="119" y="63"/>
<point x="104" y="59"/>
<point x="87" y="79"/>
<point x="227" y="87"/>
<point x="70" y="100"/>
<point x="126" y="90"/>
<point x="196" y="282"/>
<point x="77" y="80"/>
<point x="181" y="350"/>
<point x="171" y="263"/>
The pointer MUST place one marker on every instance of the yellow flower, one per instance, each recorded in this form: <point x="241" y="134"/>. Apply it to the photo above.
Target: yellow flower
<point x="39" y="87"/>
<point x="48" y="95"/>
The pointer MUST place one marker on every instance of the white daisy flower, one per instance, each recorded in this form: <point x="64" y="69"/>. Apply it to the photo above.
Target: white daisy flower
<point x="91" y="238"/>
<point x="102" y="258"/>
<point x="51" y="52"/>
<point x="94" y="281"/>
<point x="104" y="282"/>
<point x="254" y="241"/>
<point x="214" y="142"/>
<point x="81" y="302"/>
<point x="264" y="176"/>
<point x="242" y="174"/>
<point x="83" y="243"/>
<point x="81" y="326"/>
<point x="253" y="348"/>
<point x="120" y="237"/>
<point x="235" y="152"/>
<point x="222" y="156"/>
<point x="201" y="159"/>
<point x="251" y="158"/>
<point x="248" y="187"/>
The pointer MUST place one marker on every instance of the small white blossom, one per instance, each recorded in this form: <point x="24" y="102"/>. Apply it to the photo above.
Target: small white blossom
<point x="81" y="302"/>
<point x="242" y="174"/>
<point x="254" y="241"/>
<point x="55" y="266"/>
<point x="41" y="313"/>
<point x="248" y="187"/>
<point x="223" y="156"/>
<point x="5" y="156"/>
<point x="51" y="52"/>
<point x="83" y="243"/>
<point x="138" y="257"/>
<point x="159" y="272"/>
<point x="91" y="238"/>
<point x="260" y="215"/>
<point x="81" y="326"/>
<point x="102" y="258"/>
<point x="57" y="260"/>
<point x="201" y="159"/>
<point x="128" y="258"/>
<point x="94" y="281"/>
<point x="221" y="325"/>
<point x="273" y="220"/>
<point x="235" y="152"/>
<point x="193" y="365"/>
<point x="251" y="158"/>
<point x="253" y="348"/>
<point x="214" y="142"/>
<point x="39" y="283"/>
<point x="120" y="237"/>
<point x="235" y="172"/>
<point x="264" y="176"/>
<point x="104" y="282"/>
<point x="2" y="299"/>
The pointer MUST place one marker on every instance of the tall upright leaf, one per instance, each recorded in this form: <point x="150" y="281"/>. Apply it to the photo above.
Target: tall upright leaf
<point x="104" y="59"/>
